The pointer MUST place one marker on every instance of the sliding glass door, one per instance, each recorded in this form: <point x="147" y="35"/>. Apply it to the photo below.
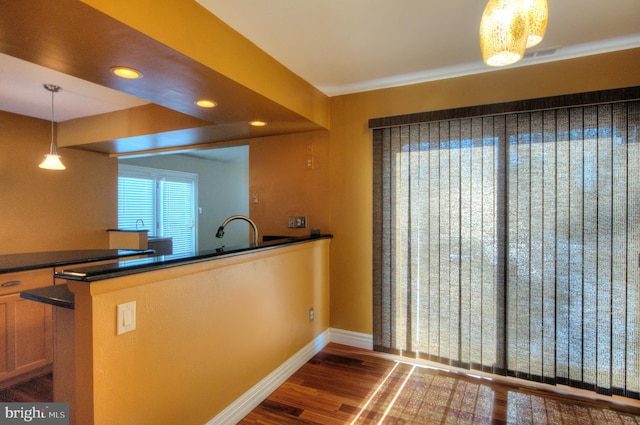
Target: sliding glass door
<point x="509" y="243"/>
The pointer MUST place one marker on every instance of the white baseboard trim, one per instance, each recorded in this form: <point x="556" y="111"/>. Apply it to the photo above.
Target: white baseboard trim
<point x="259" y="392"/>
<point x="240" y="408"/>
<point x="353" y="339"/>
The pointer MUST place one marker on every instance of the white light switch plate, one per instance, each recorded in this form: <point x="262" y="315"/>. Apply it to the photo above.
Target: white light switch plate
<point x="126" y="317"/>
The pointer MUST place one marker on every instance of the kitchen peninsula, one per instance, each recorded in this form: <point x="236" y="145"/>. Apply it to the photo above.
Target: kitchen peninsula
<point x="208" y="328"/>
<point x="25" y="328"/>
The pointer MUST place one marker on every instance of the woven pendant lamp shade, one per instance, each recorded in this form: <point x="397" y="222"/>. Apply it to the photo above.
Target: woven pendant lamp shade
<point x="538" y="13"/>
<point x="504" y="30"/>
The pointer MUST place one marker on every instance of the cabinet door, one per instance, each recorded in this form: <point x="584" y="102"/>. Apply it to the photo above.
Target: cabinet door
<point x="34" y="337"/>
<point x="26" y="332"/>
<point x="26" y="339"/>
<point x="7" y="335"/>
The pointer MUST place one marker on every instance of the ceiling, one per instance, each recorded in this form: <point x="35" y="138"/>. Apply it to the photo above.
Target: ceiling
<point x="22" y="92"/>
<point x="343" y="46"/>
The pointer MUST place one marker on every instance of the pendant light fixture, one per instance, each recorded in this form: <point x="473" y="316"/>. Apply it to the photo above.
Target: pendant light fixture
<point x="538" y="13"/>
<point x="52" y="159"/>
<point x="504" y="30"/>
<point x="508" y="27"/>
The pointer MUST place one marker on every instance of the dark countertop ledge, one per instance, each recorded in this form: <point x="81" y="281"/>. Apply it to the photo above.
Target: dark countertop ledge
<point x="11" y="263"/>
<point x="61" y="296"/>
<point x="56" y="295"/>
<point x="128" y="267"/>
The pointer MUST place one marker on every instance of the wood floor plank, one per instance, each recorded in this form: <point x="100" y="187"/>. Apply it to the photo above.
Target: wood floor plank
<point x="346" y="385"/>
<point x="38" y="389"/>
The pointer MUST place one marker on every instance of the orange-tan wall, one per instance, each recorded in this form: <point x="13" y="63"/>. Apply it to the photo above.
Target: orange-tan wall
<point x="43" y="210"/>
<point x="205" y="334"/>
<point x="282" y="184"/>
<point x="351" y="153"/>
<point x="46" y="210"/>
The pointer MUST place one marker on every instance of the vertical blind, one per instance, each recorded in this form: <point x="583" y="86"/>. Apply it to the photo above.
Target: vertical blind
<point x="510" y="243"/>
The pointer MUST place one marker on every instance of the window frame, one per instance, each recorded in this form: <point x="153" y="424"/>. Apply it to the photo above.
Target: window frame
<point x="157" y="175"/>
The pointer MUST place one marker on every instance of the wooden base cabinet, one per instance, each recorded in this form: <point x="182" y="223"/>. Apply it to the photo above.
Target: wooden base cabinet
<point x="26" y="338"/>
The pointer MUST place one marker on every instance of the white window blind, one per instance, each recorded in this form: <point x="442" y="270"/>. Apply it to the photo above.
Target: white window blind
<point x="177" y="212"/>
<point x="164" y="200"/>
<point x="136" y="201"/>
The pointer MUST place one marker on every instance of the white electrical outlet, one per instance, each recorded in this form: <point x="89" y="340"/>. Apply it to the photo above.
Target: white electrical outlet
<point x="311" y="314"/>
<point x="126" y="317"/>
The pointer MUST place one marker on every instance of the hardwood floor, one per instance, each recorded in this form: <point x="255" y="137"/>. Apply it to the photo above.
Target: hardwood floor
<point x="343" y="385"/>
<point x="346" y="385"/>
<point x="38" y="389"/>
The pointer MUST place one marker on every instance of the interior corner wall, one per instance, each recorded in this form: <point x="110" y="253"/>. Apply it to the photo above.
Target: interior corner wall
<point x="44" y="210"/>
<point x="283" y="183"/>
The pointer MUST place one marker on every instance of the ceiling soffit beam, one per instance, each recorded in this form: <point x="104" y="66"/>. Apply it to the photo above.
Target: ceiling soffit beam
<point x="189" y="28"/>
<point x="133" y="122"/>
<point x="83" y="42"/>
<point x="182" y="139"/>
<point x="154" y="128"/>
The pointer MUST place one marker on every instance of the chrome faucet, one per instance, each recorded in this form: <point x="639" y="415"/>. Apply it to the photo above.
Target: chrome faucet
<point x="141" y="221"/>
<point x="220" y="232"/>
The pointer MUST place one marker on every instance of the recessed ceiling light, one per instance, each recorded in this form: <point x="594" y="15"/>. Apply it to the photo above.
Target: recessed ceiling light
<point x="206" y="103"/>
<point x="126" y="72"/>
<point x="258" y="123"/>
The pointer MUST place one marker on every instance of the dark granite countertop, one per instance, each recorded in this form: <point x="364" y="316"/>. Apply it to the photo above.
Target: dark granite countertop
<point x="11" y="263"/>
<point x="123" y="268"/>
<point x="61" y="296"/>
<point x="56" y="295"/>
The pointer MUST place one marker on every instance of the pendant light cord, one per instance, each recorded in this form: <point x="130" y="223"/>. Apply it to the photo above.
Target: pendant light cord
<point x="53" y="89"/>
<point x="52" y="149"/>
